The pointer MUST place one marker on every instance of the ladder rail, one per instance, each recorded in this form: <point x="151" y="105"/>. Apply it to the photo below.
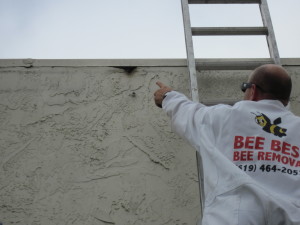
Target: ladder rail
<point x="272" y="44"/>
<point x="193" y="87"/>
<point x="190" y="51"/>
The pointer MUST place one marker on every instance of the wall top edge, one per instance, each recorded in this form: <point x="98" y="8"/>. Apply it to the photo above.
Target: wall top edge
<point x="135" y="62"/>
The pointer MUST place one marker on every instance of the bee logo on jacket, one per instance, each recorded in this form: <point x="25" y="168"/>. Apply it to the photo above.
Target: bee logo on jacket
<point x="273" y="128"/>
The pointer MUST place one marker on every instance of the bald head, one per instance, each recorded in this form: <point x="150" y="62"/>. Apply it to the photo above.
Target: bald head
<point x="273" y="82"/>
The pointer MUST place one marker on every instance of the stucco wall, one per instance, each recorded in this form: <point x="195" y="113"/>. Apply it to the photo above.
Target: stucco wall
<point x="84" y="144"/>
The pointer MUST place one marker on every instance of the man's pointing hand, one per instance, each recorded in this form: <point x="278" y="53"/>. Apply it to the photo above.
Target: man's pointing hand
<point x="159" y="95"/>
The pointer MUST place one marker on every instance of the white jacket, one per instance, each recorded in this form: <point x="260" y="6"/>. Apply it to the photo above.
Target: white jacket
<point x="251" y="159"/>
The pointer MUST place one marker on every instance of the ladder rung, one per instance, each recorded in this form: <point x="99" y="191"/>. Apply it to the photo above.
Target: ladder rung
<point x="224" y="1"/>
<point x="198" y="31"/>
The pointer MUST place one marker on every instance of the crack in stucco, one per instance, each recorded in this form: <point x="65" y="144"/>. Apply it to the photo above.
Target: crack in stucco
<point x="104" y="221"/>
<point x="17" y="152"/>
<point x="97" y="178"/>
<point x="147" y="153"/>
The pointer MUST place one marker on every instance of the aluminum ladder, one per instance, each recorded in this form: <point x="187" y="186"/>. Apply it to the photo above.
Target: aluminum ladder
<point x="266" y="29"/>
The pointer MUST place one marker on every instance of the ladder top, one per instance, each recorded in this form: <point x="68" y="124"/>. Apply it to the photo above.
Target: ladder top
<point x="224" y="1"/>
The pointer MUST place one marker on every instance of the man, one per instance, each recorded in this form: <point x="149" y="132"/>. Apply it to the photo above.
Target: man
<point x="250" y="151"/>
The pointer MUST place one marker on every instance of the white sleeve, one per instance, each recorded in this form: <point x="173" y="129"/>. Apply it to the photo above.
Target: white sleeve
<point x="185" y="114"/>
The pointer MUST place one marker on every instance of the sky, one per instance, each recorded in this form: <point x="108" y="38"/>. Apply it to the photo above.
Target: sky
<point x="108" y="29"/>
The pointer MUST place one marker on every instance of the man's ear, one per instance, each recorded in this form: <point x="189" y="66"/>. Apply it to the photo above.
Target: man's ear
<point x="254" y="94"/>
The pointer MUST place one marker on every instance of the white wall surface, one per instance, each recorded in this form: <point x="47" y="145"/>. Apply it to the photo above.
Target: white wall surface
<point x="81" y="142"/>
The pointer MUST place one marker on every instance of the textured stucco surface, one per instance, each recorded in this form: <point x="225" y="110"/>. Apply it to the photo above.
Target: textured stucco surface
<point x="87" y="146"/>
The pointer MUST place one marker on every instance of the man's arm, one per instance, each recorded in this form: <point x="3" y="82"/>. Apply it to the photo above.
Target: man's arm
<point x="186" y="115"/>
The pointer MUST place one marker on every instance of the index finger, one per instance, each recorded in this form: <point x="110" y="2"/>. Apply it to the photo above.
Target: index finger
<point x="160" y="84"/>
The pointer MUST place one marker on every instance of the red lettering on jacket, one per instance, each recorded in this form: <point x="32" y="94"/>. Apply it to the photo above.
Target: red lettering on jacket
<point x="238" y="142"/>
<point x="249" y="142"/>
<point x="295" y="152"/>
<point x="243" y="156"/>
<point x="275" y="145"/>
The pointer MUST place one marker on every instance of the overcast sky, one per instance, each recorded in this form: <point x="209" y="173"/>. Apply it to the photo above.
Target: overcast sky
<point x="103" y="29"/>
